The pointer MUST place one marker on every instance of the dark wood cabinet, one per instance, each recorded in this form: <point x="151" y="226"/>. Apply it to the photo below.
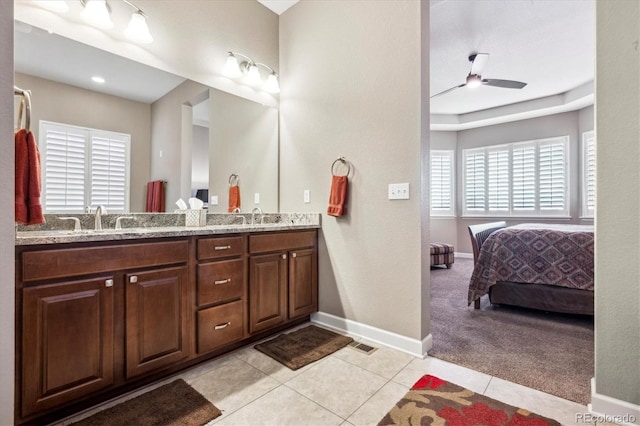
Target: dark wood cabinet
<point x="156" y="319"/>
<point x="67" y="342"/>
<point x="283" y="282"/>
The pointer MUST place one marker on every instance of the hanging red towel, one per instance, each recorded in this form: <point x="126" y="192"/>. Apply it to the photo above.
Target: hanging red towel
<point x="338" y="196"/>
<point x="234" y="198"/>
<point x="155" y="197"/>
<point x="28" y="209"/>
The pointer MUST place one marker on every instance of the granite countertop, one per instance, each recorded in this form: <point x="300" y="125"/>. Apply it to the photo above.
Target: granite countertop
<point x="290" y="222"/>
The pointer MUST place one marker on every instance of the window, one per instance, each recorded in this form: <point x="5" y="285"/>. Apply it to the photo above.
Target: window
<point x="517" y="179"/>
<point x="442" y="203"/>
<point x="588" y="174"/>
<point x="83" y="168"/>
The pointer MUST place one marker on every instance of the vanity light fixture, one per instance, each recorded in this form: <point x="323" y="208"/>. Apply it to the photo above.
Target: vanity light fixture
<point x="59" y="6"/>
<point x="97" y="13"/>
<point x="249" y="69"/>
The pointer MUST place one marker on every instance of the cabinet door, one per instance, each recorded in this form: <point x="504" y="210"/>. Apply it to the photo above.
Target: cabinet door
<point x="157" y="319"/>
<point x="303" y="282"/>
<point x="267" y="291"/>
<point x="67" y="342"/>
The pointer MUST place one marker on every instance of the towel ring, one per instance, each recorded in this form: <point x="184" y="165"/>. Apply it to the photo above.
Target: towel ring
<point x="343" y="161"/>
<point x="234" y="178"/>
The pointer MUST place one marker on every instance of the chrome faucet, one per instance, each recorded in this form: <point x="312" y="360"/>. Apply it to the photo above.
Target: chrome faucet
<point x="236" y="210"/>
<point x="253" y="215"/>
<point x="244" y="219"/>
<point x="100" y="210"/>
<point x="120" y="219"/>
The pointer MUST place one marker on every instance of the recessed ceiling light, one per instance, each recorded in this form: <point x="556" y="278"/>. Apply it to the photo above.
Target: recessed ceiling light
<point x="97" y="79"/>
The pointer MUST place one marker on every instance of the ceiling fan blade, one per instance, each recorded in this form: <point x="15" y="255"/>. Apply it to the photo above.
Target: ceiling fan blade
<point x="448" y="90"/>
<point x="478" y="62"/>
<point x="507" y="84"/>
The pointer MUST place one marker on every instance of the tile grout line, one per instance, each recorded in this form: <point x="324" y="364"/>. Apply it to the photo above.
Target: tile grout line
<point x="487" y="387"/>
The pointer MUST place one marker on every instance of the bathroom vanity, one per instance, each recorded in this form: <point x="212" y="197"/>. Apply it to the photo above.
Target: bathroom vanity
<point x="98" y="315"/>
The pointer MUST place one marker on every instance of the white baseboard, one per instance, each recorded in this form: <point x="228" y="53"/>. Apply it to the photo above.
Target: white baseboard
<point x="356" y="329"/>
<point x="613" y="410"/>
<point x="463" y="255"/>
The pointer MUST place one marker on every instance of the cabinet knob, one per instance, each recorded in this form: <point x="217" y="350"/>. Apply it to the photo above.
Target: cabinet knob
<point x="133" y="279"/>
<point x="284" y="256"/>
<point x="221" y="326"/>
<point x="108" y="283"/>
<point x="294" y="255"/>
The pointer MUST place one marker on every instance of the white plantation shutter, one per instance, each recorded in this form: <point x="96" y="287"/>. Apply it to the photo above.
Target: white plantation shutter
<point x="524" y="178"/>
<point x="517" y="179"/>
<point x="84" y="167"/>
<point x="63" y="152"/>
<point x="552" y="175"/>
<point x="589" y="174"/>
<point x="498" y="177"/>
<point x="442" y="183"/>
<point x="109" y="157"/>
<point x="474" y="181"/>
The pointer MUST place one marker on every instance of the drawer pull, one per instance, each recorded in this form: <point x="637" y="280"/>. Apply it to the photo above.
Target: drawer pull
<point x="222" y="247"/>
<point x="221" y="326"/>
<point x="218" y="282"/>
<point x="108" y="283"/>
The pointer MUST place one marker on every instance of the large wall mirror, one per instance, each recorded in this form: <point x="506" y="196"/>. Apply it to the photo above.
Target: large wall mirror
<point x="228" y="134"/>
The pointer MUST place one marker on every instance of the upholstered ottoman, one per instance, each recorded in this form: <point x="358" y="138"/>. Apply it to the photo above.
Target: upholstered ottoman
<point x="442" y="254"/>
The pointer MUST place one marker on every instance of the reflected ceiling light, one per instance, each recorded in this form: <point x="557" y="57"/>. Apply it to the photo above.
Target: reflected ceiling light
<point x="138" y="29"/>
<point x="98" y="79"/>
<point x="473" y="80"/>
<point x="96" y="13"/>
<point x="249" y="69"/>
<point x="59" y="6"/>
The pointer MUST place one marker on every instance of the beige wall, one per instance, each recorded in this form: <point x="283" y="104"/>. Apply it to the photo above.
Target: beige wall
<point x="617" y="347"/>
<point x="66" y="104"/>
<point x="342" y="95"/>
<point x="244" y="141"/>
<point x="200" y="158"/>
<point x="7" y="250"/>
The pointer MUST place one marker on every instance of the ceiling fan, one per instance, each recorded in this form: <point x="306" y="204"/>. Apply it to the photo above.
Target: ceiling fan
<point x="474" y="79"/>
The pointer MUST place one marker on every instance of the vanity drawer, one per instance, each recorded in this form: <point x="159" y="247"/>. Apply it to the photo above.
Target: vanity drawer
<point x="214" y="248"/>
<point x="262" y="243"/>
<point x="220" y="325"/>
<point x="220" y="281"/>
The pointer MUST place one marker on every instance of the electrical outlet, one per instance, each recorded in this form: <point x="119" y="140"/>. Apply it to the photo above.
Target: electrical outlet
<point x="214" y="200"/>
<point x="398" y="191"/>
<point x="307" y="198"/>
<point x="256" y="198"/>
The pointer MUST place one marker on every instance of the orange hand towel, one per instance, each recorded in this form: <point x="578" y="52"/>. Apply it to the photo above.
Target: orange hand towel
<point x="234" y="198"/>
<point x="33" y="199"/>
<point x="338" y="196"/>
<point x="22" y="177"/>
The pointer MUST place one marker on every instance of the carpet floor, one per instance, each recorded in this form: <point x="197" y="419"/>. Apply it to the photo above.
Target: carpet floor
<point x="433" y="401"/>
<point x="549" y="352"/>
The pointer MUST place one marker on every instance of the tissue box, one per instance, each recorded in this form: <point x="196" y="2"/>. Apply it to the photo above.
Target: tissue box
<point x="194" y="217"/>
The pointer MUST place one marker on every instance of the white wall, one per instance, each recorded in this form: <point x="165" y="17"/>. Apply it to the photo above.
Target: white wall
<point x="7" y="249"/>
<point x="341" y="96"/>
<point x="617" y="319"/>
<point x="80" y="107"/>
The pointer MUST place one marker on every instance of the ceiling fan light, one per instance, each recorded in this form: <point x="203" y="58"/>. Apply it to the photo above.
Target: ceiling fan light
<point x="96" y="13"/>
<point x="137" y="30"/>
<point x="473" y="80"/>
<point x="232" y="68"/>
<point x="271" y="84"/>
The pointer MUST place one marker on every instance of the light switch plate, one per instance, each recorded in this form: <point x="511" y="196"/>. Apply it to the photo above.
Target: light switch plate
<point x="399" y="191"/>
<point x="214" y="200"/>
<point x="307" y="197"/>
<point x="256" y="198"/>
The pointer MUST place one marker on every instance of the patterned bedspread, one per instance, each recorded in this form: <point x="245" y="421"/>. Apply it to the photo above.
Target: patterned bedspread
<point x="560" y="255"/>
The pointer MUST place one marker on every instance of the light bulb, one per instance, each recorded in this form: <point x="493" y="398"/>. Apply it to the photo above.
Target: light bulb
<point x="253" y="75"/>
<point x="59" y="6"/>
<point x="96" y="13"/>
<point x="272" y="85"/>
<point x="473" y="80"/>
<point x="231" y="68"/>
<point x="138" y="29"/>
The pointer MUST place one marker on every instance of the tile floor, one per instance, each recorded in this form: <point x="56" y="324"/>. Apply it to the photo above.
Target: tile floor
<point x="345" y="388"/>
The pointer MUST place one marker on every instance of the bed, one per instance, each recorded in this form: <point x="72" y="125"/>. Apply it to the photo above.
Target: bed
<point x="539" y="266"/>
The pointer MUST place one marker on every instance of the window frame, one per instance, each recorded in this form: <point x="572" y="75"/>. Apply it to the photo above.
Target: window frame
<point x="512" y="212"/>
<point x="451" y="154"/>
<point x="88" y="134"/>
